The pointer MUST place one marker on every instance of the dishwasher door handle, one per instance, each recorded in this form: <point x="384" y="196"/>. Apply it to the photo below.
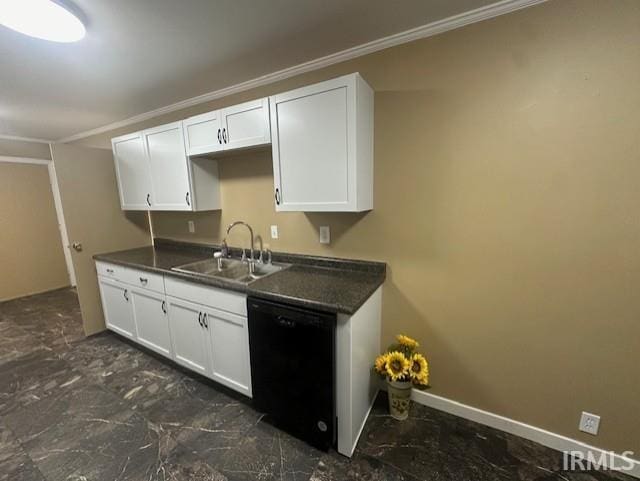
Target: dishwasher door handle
<point x="284" y="322"/>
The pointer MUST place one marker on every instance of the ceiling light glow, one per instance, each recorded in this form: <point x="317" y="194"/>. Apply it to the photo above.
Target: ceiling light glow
<point x="44" y="19"/>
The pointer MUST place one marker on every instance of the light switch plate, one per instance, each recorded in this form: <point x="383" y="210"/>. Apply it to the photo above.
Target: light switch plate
<point x="325" y="234"/>
<point x="274" y="231"/>
<point x="192" y="226"/>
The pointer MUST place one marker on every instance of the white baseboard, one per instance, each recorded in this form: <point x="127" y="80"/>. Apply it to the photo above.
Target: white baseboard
<point x="532" y="433"/>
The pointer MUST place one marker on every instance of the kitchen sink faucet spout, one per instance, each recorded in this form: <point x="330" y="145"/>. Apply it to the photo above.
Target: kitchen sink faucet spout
<point x="239" y="222"/>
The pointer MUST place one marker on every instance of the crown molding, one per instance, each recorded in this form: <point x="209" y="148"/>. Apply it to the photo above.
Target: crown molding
<point x="440" y="26"/>
<point x="23" y="160"/>
<point x="24" y="139"/>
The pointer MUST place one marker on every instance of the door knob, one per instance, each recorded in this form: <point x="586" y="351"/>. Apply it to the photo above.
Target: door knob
<point x="77" y="246"/>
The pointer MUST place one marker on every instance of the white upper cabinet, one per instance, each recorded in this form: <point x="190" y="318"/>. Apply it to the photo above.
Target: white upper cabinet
<point x="132" y="171"/>
<point x="322" y="139"/>
<point x="154" y="172"/>
<point x="203" y="133"/>
<point x="246" y="125"/>
<point x="236" y="127"/>
<point x="169" y="167"/>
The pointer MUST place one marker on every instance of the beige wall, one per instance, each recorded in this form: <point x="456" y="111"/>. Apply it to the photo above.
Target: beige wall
<point x="507" y="160"/>
<point x="31" y="258"/>
<point x="18" y="148"/>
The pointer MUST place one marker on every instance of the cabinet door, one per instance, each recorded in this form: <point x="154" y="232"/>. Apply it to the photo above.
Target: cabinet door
<point x="313" y="160"/>
<point x="170" y="176"/>
<point x="229" y="350"/>
<point x="152" y="322"/>
<point x="246" y="125"/>
<point x="116" y="304"/>
<point x="132" y="171"/>
<point x="203" y="133"/>
<point x="189" y="337"/>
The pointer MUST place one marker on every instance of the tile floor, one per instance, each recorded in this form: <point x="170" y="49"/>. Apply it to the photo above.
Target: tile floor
<point x="84" y="409"/>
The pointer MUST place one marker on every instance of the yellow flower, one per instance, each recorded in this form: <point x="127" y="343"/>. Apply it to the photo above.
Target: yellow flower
<point x="407" y="342"/>
<point x="397" y="365"/>
<point x="419" y="370"/>
<point x="381" y="363"/>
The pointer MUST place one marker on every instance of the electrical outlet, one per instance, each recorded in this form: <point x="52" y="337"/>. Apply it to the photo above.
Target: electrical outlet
<point x="192" y="226"/>
<point x="325" y="234"/>
<point x="589" y="423"/>
<point x="274" y="231"/>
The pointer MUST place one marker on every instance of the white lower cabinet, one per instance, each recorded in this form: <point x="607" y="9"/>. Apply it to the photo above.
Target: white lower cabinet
<point x="152" y="322"/>
<point x="189" y="336"/>
<point x="202" y="328"/>
<point x="116" y="304"/>
<point x="229" y="336"/>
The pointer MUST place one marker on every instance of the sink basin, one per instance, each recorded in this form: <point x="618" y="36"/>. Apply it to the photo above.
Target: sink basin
<point x="231" y="269"/>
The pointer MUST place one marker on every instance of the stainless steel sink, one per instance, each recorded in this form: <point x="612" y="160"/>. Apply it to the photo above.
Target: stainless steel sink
<point x="231" y="269"/>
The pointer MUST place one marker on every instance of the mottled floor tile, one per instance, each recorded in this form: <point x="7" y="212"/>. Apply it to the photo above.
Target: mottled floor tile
<point x="15" y="465"/>
<point x="333" y="466"/>
<point x="266" y="453"/>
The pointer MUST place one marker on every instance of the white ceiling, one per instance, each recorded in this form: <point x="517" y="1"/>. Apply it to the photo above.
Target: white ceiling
<point x="141" y="55"/>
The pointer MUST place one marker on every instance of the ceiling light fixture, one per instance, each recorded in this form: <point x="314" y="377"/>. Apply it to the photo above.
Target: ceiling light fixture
<point x="45" y="19"/>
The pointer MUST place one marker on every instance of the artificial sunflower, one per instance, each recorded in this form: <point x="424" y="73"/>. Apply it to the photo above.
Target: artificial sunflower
<point x="407" y="342"/>
<point x="397" y="365"/>
<point x="381" y="363"/>
<point x="419" y="369"/>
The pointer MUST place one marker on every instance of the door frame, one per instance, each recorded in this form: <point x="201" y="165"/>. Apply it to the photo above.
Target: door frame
<point x="57" y="202"/>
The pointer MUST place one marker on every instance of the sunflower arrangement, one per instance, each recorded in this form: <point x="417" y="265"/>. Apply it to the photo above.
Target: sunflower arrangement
<point x="401" y="363"/>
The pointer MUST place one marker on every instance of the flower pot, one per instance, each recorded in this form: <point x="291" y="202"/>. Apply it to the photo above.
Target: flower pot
<point x="399" y="394"/>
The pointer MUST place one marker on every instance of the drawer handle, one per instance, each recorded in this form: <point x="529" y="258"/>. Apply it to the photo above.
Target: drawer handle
<point x="144" y="281"/>
<point x="109" y="271"/>
<point x="126" y="295"/>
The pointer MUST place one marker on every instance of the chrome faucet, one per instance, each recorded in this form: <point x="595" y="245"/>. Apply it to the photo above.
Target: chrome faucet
<point x="239" y="222"/>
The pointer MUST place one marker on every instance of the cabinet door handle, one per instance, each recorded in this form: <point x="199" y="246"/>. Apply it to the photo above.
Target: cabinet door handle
<point x="187" y="198"/>
<point x="219" y="138"/>
<point x="149" y="199"/>
<point x="224" y="135"/>
<point x="278" y="196"/>
<point x="164" y="306"/>
<point x="126" y="295"/>
<point x="204" y="320"/>
<point x="200" y="319"/>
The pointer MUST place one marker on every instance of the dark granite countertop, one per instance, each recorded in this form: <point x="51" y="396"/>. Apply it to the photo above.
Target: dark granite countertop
<point x="326" y="284"/>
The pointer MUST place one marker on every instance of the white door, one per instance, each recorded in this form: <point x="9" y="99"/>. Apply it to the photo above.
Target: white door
<point x="132" y="171"/>
<point x="116" y="304"/>
<point x="189" y="336"/>
<point x="311" y="157"/>
<point x="152" y="322"/>
<point x="170" y="176"/>
<point x="246" y="125"/>
<point x="229" y="350"/>
<point x="203" y="133"/>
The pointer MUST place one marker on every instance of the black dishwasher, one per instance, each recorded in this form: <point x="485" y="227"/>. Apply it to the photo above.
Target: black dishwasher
<point x="293" y="369"/>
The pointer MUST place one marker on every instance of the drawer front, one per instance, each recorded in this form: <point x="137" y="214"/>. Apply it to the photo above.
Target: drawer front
<point x="145" y="279"/>
<point x="228" y="301"/>
<point x="112" y="271"/>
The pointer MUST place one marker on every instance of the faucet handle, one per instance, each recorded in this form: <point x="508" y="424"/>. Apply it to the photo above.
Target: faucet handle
<point x="261" y="258"/>
<point x="269" y="254"/>
<point x="244" y="254"/>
